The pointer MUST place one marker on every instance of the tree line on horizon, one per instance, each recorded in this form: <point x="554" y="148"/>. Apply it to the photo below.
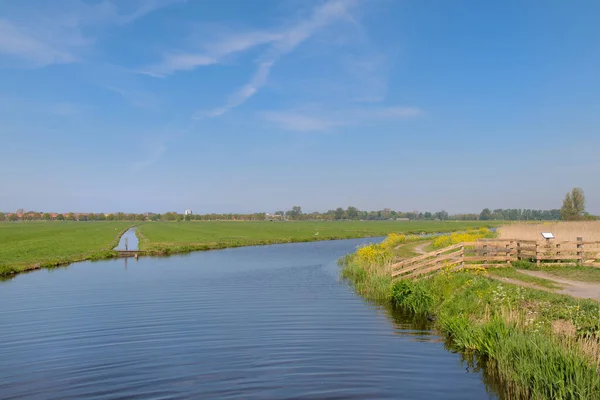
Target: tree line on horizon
<point x="573" y="209"/>
<point x="296" y="214"/>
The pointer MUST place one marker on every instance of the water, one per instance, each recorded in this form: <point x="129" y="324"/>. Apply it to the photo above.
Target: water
<point x="270" y="322"/>
<point x="128" y="241"/>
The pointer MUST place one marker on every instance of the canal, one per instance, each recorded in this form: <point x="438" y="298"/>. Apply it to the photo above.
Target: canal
<point x="270" y="322"/>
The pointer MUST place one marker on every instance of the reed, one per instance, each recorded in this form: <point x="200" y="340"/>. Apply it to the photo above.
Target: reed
<point x="563" y="231"/>
<point x="538" y="344"/>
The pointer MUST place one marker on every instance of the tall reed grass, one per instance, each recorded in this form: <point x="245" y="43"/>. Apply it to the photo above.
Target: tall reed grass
<point x="567" y="231"/>
<point x="539" y="345"/>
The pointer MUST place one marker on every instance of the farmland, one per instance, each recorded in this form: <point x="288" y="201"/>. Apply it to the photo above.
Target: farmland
<point x="32" y="245"/>
<point x="166" y="237"/>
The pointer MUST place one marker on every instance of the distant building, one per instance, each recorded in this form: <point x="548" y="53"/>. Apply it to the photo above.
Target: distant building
<point x="187" y="212"/>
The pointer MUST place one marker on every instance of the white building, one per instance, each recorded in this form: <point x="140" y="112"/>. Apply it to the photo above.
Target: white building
<point x="187" y="212"/>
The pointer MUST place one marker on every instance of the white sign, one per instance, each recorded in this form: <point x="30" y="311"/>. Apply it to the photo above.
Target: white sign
<point x="547" y="235"/>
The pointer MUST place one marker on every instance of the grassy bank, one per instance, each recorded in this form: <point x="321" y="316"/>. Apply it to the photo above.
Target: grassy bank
<point x="178" y="237"/>
<point x="540" y="345"/>
<point x="32" y="245"/>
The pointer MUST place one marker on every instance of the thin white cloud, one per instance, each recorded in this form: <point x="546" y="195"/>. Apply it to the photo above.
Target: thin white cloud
<point x="395" y="112"/>
<point x="17" y="42"/>
<point x="301" y="123"/>
<point x="214" y="52"/>
<point x="178" y="62"/>
<point x="138" y="98"/>
<point x="65" y="109"/>
<point x="243" y="94"/>
<point x="288" y="40"/>
<point x="153" y="155"/>
<point x="320" y="121"/>
<point x="57" y="37"/>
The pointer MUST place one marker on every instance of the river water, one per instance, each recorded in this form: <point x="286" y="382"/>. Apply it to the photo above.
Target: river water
<point x="271" y="322"/>
<point x="128" y="241"/>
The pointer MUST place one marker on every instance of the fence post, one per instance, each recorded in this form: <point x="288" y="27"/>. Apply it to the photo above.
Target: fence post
<point x="462" y="256"/>
<point x="557" y="252"/>
<point x="508" y="253"/>
<point x="537" y="253"/>
<point x="519" y="251"/>
<point x="580" y="257"/>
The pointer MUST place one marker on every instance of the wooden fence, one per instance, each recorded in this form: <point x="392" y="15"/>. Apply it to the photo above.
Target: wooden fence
<point x="488" y="253"/>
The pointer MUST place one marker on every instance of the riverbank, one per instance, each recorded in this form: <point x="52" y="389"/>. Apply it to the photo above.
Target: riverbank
<point x="161" y="238"/>
<point x="539" y="344"/>
<point x="30" y="246"/>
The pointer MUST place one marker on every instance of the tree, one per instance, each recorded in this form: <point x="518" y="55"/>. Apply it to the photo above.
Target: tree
<point x="2" y="217"/>
<point x="578" y="201"/>
<point x="352" y="212"/>
<point x="485" y="215"/>
<point x="441" y="215"/>
<point x="47" y="217"/>
<point x="60" y="217"/>
<point x="294" y="213"/>
<point x="573" y="207"/>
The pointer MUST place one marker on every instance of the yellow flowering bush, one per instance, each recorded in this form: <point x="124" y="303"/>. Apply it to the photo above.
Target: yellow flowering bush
<point x="393" y="240"/>
<point x="455" y="238"/>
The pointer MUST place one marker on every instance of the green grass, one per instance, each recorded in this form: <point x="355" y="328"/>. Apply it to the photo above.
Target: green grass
<point x="173" y="237"/>
<point x="407" y="250"/>
<point x="512" y="273"/>
<point x="575" y="273"/>
<point x="30" y="245"/>
<point x="536" y="344"/>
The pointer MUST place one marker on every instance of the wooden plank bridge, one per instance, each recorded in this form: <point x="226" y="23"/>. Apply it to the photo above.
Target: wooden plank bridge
<point x="494" y="253"/>
<point x="131" y="253"/>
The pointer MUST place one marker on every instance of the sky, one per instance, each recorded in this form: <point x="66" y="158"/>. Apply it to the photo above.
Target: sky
<point x="248" y="106"/>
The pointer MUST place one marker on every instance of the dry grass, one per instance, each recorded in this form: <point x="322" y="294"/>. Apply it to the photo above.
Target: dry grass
<point x="564" y="231"/>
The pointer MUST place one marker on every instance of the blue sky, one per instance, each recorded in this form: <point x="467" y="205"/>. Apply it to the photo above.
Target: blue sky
<point x="239" y="106"/>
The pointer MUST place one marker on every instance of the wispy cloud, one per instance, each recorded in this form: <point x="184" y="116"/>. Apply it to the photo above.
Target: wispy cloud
<point x="294" y="121"/>
<point x="48" y="34"/>
<point x="65" y="109"/>
<point x="244" y="93"/>
<point x="286" y="42"/>
<point x="278" y="42"/>
<point x="321" y="121"/>
<point x="214" y="52"/>
<point x="154" y="153"/>
<point x="137" y="98"/>
<point x="17" y="42"/>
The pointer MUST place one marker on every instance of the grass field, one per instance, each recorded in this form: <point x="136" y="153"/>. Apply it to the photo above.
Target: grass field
<point x="31" y="245"/>
<point x="166" y="237"/>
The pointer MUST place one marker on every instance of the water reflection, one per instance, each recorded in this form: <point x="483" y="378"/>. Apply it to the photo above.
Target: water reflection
<point x="128" y="241"/>
<point x="256" y="323"/>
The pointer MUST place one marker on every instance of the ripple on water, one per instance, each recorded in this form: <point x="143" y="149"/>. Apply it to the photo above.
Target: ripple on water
<point x="260" y="322"/>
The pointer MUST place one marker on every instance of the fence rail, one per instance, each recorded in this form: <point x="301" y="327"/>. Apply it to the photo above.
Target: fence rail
<point x="488" y="253"/>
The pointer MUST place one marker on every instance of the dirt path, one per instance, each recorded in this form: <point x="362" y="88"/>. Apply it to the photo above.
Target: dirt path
<point x="521" y="283"/>
<point x="584" y="290"/>
<point x="420" y="249"/>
